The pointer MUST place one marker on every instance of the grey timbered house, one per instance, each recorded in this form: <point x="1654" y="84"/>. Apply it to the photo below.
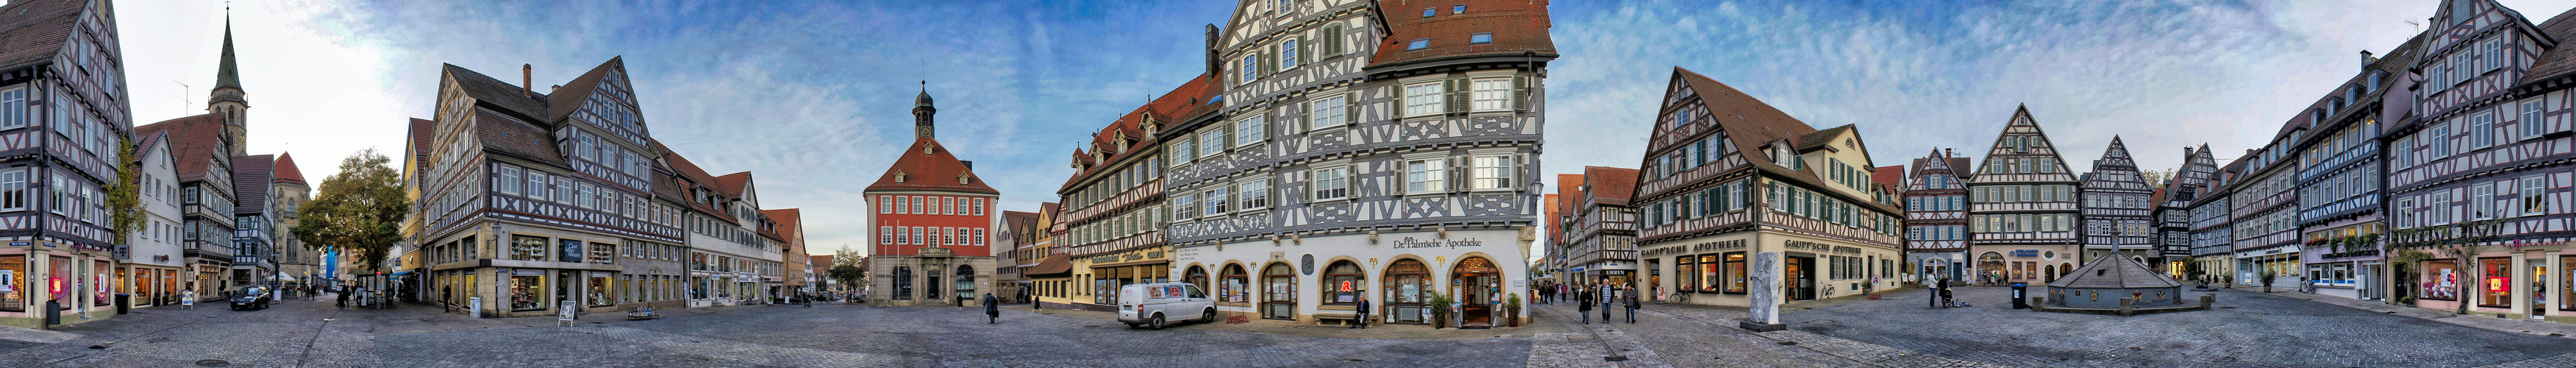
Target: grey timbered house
<point x="2173" y="219"/>
<point x="2484" y="140"/>
<point x="2262" y="211"/>
<point x="1393" y="151"/>
<point x="1729" y="181"/>
<point x="1115" y="206"/>
<point x="2117" y="203"/>
<point x="1936" y="215"/>
<point x="2022" y="207"/>
<point x="2213" y="239"/>
<point x="63" y="107"/>
<point x="2340" y="177"/>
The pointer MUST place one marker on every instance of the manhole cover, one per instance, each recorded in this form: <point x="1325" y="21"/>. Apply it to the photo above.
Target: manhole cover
<point x="1615" y="358"/>
<point x="214" y="363"/>
<point x="1788" y="343"/>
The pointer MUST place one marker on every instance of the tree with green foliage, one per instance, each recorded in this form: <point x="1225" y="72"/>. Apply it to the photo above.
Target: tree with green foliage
<point x="359" y="210"/>
<point x="125" y="194"/>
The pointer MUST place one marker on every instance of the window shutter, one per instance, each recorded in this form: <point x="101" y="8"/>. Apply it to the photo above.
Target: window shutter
<point x="1459" y="174"/>
<point x="1520" y="93"/>
<point x="1307" y="192"/>
<point x="1270" y="61"/>
<point x="1457" y="95"/>
<point x="1520" y="164"/>
<point x="1332" y="37"/>
<point x="1352" y="103"/>
<point x="1351" y="181"/>
<point x="1305" y="51"/>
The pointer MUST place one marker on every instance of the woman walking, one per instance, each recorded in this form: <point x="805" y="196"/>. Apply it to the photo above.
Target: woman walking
<point x="1583" y="306"/>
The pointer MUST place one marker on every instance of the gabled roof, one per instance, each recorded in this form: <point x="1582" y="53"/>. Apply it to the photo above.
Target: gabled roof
<point x="689" y="176"/>
<point x="143" y="143"/>
<point x="1891" y="176"/>
<point x="820" y="260"/>
<point x="1752" y="124"/>
<point x="2114" y="271"/>
<point x="34" y="31"/>
<point x="731" y="184"/>
<point x="286" y="170"/>
<point x="522" y="139"/>
<point x="561" y="102"/>
<point x="529" y="105"/>
<point x="1126" y="136"/>
<point x="250" y="182"/>
<point x="1519" y="27"/>
<point x="421" y="130"/>
<point x="1610" y="184"/>
<point x="934" y="170"/>
<point x="787" y="219"/>
<point x="193" y="140"/>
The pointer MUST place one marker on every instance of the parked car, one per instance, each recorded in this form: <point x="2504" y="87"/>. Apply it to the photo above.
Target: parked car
<point x="1157" y="304"/>
<point x="254" y="298"/>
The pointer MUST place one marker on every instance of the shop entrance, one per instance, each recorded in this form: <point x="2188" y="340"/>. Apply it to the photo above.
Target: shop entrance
<point x="1990" y="268"/>
<point x="1279" y="292"/>
<point x="565" y="288"/>
<point x="1801" y="271"/>
<point x="1475" y="279"/>
<point x="2539" y="289"/>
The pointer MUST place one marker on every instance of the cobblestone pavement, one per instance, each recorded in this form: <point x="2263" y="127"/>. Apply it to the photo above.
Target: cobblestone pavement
<point x="312" y="334"/>
<point x="2249" y="329"/>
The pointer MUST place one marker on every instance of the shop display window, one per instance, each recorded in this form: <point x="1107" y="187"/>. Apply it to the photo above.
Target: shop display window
<point x="1410" y="280"/>
<point x="527" y="248"/>
<point x="1343" y="283"/>
<point x="2441" y="281"/>
<point x="2567" y="283"/>
<point x="599" y="287"/>
<point x="1684" y="278"/>
<point x="13" y="285"/>
<point x="1232" y="291"/>
<point x="2495" y="284"/>
<point x="527" y="293"/>
<point x="100" y="286"/>
<point x="1735" y="271"/>
<point x="1708" y="273"/>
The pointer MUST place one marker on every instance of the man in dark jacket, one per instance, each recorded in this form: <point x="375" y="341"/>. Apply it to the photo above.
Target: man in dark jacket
<point x="344" y="299"/>
<point x="992" y="310"/>
<point x="1583" y="305"/>
<point x="1630" y="297"/>
<point x="1362" y="313"/>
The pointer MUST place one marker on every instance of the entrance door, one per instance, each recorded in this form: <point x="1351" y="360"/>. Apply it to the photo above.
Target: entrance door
<point x="2539" y="288"/>
<point x="567" y="287"/>
<point x="1476" y="278"/>
<point x="1801" y="272"/>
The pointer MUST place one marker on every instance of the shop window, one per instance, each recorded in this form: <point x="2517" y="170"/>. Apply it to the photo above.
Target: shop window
<point x="527" y="248"/>
<point x="1231" y="290"/>
<point x="1682" y="270"/>
<point x="1343" y="283"/>
<point x="2495" y="283"/>
<point x="599" y="287"/>
<point x="1410" y="279"/>
<point x="13" y="291"/>
<point x="1735" y="271"/>
<point x="527" y="293"/>
<point x="1708" y="274"/>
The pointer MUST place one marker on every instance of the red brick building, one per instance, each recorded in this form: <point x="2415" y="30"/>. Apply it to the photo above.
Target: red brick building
<point x="934" y="225"/>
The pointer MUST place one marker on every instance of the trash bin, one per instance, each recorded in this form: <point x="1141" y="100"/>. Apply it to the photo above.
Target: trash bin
<point x="123" y="302"/>
<point x="2020" y="301"/>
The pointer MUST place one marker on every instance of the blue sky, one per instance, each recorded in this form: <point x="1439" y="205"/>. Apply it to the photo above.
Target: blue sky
<point x="813" y="98"/>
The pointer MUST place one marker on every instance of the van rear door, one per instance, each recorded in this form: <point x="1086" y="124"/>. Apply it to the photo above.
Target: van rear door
<point x="1129" y="298"/>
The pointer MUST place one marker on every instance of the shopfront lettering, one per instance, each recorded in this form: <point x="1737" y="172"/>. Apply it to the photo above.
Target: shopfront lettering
<point x="1847" y="250"/>
<point x="1703" y="247"/>
<point x="1809" y="246"/>
<point x="1410" y="242"/>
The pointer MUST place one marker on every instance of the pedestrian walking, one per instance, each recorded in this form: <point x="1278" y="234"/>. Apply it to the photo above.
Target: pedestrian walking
<point x="344" y="300"/>
<point x="1632" y="306"/>
<point x="1607" y="295"/>
<point x="1363" y="313"/>
<point x="1583" y="305"/>
<point x="992" y="310"/>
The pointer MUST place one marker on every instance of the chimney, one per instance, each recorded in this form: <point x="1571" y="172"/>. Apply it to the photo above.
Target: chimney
<point x="970" y="165"/>
<point x="1215" y="68"/>
<point x="527" y="78"/>
<point x="2366" y="60"/>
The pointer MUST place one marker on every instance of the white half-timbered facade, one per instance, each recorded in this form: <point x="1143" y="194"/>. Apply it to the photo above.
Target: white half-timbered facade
<point x="2022" y="207"/>
<point x="2117" y="205"/>
<point x="2339" y="179"/>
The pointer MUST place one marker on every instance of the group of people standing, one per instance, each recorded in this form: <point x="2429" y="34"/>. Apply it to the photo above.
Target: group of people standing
<point x="1608" y="296"/>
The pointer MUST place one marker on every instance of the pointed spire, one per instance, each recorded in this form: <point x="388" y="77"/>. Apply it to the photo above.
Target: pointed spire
<point x="225" y="76"/>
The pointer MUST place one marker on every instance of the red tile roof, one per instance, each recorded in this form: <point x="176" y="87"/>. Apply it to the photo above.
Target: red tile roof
<point x="1569" y="188"/>
<point x="194" y="141"/>
<point x="1752" y="124"/>
<point x="286" y="170"/>
<point x="1610" y="184"/>
<point x="1126" y="136"/>
<point x="563" y="101"/>
<point x="731" y="184"/>
<point x="143" y="143"/>
<point x="933" y="171"/>
<point x="421" y="130"/>
<point x="250" y="184"/>
<point x="821" y="260"/>
<point x="1892" y="176"/>
<point x="33" y="31"/>
<point x="1518" y="26"/>
<point x="787" y="219"/>
<point x="689" y="177"/>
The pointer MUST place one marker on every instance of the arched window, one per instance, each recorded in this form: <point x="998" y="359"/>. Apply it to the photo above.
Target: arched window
<point x="1279" y="284"/>
<point x="965" y="283"/>
<point x="1196" y="276"/>
<point x="1231" y="289"/>
<point x="1343" y="283"/>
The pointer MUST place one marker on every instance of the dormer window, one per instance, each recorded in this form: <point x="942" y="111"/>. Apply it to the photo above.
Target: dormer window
<point x="1417" y="44"/>
<point x="1480" y="38"/>
<point x="962" y="179"/>
<point x="898" y="176"/>
<point x="925" y="149"/>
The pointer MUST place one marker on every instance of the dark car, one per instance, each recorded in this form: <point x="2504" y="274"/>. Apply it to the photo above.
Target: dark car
<point x="256" y="298"/>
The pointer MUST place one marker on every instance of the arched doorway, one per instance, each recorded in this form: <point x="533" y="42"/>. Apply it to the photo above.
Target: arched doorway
<point x="2063" y="269"/>
<point x="1990" y="267"/>
<point x="1478" y="282"/>
<point x="1232" y="287"/>
<point x="1196" y="276"/>
<point x="1409" y="280"/>
<point x="1279" y="289"/>
<point x="2049" y="271"/>
<point x="965" y="284"/>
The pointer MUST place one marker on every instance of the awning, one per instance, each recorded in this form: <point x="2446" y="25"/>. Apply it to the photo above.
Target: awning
<point x="1052" y="265"/>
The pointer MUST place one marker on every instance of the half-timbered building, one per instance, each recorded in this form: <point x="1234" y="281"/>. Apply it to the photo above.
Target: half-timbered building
<point x="1115" y="206"/>
<point x="2213" y="238"/>
<point x="1729" y="181"/>
<point x="1936" y="216"/>
<point x="1393" y="155"/>
<point x="2116" y="206"/>
<point x="153" y="256"/>
<point x="2022" y="207"/>
<point x="2339" y="179"/>
<point x="1602" y="245"/>
<point x="2262" y="210"/>
<point x="933" y="218"/>
<point x="2186" y="185"/>
<point x="526" y="197"/>
<point x="63" y="108"/>
<point x="2484" y="149"/>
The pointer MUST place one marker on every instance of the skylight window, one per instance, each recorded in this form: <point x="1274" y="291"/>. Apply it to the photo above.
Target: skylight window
<point x="1418" y="44"/>
<point x="1427" y="12"/>
<point x="1480" y="38"/>
<point x="1459" y="9"/>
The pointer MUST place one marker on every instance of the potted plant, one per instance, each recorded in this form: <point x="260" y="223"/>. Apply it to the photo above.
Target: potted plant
<point x="1439" y="310"/>
<point x="1512" y="309"/>
<point x="2267" y="277"/>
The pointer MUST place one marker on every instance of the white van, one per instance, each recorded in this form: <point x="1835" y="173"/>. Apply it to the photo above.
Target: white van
<point x="1156" y="304"/>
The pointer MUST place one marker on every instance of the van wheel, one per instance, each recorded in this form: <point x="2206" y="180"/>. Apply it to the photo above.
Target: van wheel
<point x="1158" y="321"/>
<point x="1208" y="316"/>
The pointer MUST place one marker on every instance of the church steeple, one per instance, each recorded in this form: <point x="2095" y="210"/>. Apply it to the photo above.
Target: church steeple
<point x="226" y="99"/>
<point x="921" y="112"/>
